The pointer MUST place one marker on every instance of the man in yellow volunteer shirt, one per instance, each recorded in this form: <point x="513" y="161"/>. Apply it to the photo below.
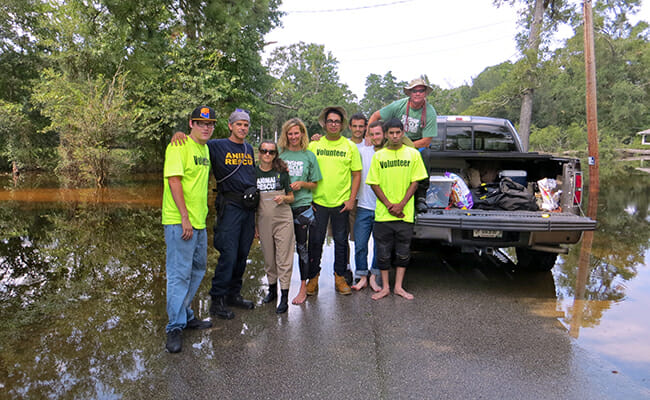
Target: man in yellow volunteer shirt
<point x="340" y="165"/>
<point x="394" y="174"/>
<point x="184" y="210"/>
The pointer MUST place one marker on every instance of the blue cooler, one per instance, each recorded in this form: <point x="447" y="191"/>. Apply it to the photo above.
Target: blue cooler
<point x="517" y="175"/>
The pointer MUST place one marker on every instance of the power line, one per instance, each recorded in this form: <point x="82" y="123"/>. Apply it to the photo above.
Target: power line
<point x="428" y="37"/>
<point x="428" y="52"/>
<point x="348" y="9"/>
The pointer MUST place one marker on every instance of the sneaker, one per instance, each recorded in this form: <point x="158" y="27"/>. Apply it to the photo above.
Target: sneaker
<point x="341" y="285"/>
<point x="312" y="285"/>
<point x="198" y="324"/>
<point x="174" y="340"/>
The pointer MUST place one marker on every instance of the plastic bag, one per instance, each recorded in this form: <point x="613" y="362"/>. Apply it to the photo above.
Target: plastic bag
<point x="550" y="197"/>
<point x="461" y="197"/>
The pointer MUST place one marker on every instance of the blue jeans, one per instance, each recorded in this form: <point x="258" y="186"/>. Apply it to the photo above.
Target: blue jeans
<point x="362" y="229"/>
<point x="234" y="230"/>
<point x="186" y="263"/>
<point x="317" y="233"/>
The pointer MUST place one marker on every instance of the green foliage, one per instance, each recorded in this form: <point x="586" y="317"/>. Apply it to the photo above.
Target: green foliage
<point x="555" y="139"/>
<point x="307" y="80"/>
<point x="450" y="101"/>
<point x="381" y="91"/>
<point x="177" y="55"/>
<point x="92" y="117"/>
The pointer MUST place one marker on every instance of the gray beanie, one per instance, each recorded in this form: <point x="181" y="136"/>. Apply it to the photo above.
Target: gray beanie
<point x="239" y="115"/>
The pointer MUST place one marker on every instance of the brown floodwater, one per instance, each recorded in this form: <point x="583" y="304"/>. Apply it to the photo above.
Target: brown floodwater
<point x="146" y="196"/>
<point x="82" y="285"/>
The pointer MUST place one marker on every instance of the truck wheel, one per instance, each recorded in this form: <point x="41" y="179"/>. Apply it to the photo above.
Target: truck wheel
<point x="534" y="260"/>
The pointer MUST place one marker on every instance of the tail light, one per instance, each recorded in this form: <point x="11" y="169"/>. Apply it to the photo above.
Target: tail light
<point x="577" y="189"/>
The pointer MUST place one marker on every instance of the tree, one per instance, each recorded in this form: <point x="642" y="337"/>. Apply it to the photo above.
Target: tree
<point x="177" y="54"/>
<point x="381" y="91"/>
<point x="307" y="80"/>
<point x="623" y="65"/>
<point x="542" y="18"/>
<point x="92" y="117"/>
<point x="495" y="93"/>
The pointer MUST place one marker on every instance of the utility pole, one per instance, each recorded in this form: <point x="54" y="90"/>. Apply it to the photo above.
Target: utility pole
<point x="592" y="115"/>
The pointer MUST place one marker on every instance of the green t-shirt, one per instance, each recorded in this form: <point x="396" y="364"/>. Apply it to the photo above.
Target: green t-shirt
<point x="394" y="171"/>
<point x="412" y="128"/>
<point x="190" y="161"/>
<point x="303" y="166"/>
<point x="336" y="160"/>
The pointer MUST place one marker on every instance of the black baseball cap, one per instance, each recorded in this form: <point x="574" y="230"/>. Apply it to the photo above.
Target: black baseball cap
<point x="203" y="113"/>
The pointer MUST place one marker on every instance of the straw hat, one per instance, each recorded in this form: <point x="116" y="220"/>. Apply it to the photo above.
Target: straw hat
<point x="417" y="82"/>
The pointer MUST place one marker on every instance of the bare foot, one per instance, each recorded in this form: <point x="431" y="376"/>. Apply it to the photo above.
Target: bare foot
<point x="363" y="282"/>
<point x="381" y="293"/>
<point x="302" y="294"/>
<point x="403" y="293"/>
<point x="373" y="283"/>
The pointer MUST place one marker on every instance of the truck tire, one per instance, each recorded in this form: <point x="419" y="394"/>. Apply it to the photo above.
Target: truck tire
<point x="534" y="260"/>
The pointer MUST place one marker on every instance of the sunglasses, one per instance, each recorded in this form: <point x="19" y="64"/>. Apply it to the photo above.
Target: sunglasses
<point x="418" y="90"/>
<point x="242" y="110"/>
<point x="333" y="122"/>
<point x="267" y="151"/>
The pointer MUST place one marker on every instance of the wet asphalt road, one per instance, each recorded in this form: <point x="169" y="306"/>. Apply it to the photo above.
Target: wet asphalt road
<point x="472" y="332"/>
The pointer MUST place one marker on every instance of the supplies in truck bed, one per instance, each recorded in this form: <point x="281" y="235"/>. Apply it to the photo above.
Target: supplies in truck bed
<point x="506" y="195"/>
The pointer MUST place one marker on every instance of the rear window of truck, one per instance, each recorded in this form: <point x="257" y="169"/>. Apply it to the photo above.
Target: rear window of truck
<point x="474" y="137"/>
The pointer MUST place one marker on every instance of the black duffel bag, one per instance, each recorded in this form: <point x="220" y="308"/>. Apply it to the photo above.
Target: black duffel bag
<point x="509" y="196"/>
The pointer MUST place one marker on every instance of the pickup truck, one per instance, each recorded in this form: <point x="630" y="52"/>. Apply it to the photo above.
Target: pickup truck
<point x="482" y="147"/>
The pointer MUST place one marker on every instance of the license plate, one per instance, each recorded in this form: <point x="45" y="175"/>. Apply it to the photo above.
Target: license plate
<point x="484" y="233"/>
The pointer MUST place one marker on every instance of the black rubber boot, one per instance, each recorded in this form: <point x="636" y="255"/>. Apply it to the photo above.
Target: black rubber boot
<point x="284" y="302"/>
<point x="219" y="309"/>
<point x="273" y="293"/>
<point x="174" y="340"/>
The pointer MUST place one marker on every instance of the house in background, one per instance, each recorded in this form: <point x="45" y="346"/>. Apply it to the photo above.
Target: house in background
<point x="645" y="136"/>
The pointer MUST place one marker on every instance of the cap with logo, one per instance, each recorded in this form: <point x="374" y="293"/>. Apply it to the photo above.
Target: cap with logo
<point x="203" y="113"/>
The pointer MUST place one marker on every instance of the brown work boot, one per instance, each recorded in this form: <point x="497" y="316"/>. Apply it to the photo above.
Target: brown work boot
<point x="312" y="285"/>
<point x="341" y="284"/>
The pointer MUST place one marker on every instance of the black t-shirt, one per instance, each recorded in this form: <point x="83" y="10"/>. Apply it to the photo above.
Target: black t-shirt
<point x="273" y="180"/>
<point x="225" y="156"/>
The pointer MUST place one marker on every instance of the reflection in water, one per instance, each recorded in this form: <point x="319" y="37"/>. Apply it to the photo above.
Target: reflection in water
<point x="577" y="310"/>
<point x="602" y="284"/>
<point x="118" y="196"/>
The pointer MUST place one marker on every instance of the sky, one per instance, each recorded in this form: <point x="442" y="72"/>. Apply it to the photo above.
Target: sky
<point x="449" y="41"/>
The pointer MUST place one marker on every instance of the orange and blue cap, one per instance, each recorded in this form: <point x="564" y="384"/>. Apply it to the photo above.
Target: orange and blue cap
<point x="203" y="113"/>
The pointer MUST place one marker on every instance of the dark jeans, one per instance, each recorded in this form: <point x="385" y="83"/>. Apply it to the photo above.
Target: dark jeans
<point x="234" y="230"/>
<point x="302" y="235"/>
<point x="317" y="233"/>
<point x="392" y="236"/>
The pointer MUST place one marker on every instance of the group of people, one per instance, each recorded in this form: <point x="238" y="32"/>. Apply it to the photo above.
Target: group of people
<point x="288" y="199"/>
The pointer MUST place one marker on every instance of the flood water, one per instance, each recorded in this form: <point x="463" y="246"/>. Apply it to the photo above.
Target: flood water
<point x="82" y="284"/>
